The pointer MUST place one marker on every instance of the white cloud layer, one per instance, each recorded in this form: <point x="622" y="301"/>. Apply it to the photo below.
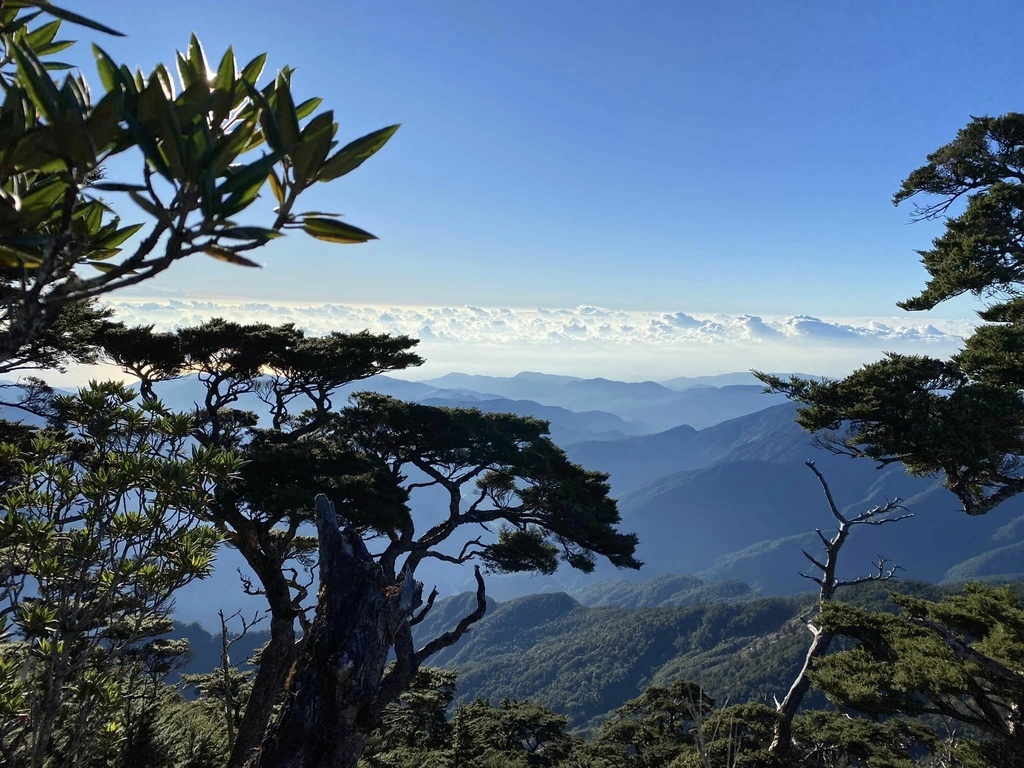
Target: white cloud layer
<point x="591" y="341"/>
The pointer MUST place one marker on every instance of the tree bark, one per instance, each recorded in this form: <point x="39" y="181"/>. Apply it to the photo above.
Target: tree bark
<point x="782" y="738"/>
<point x="275" y="661"/>
<point x="334" y="696"/>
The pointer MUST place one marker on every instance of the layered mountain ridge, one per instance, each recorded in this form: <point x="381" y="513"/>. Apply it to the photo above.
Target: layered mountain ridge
<point x="725" y="496"/>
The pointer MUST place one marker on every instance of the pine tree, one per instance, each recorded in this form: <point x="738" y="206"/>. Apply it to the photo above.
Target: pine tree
<point x="962" y="417"/>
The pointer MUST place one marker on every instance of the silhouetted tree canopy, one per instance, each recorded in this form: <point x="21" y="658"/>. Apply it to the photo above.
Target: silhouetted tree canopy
<point x="962" y="417"/>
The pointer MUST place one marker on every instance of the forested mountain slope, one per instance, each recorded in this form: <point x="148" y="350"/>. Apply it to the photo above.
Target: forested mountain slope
<point x="586" y="661"/>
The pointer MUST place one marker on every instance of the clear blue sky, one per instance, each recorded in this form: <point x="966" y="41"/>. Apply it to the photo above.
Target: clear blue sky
<point x="696" y="156"/>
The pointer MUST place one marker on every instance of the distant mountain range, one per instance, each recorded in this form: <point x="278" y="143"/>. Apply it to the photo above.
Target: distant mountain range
<point x="708" y="472"/>
<point x="735" y="501"/>
<point x="623" y="411"/>
<point x="579" y="410"/>
<point x="653" y="407"/>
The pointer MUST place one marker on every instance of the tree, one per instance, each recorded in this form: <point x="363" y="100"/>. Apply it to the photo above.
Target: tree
<point x="553" y="511"/>
<point x="960" y="658"/>
<point x="659" y="725"/>
<point x="962" y="417"/>
<point x="228" y="684"/>
<point x="415" y="726"/>
<point x="99" y="527"/>
<point x="835" y="739"/>
<point x="513" y="733"/>
<point x="206" y="145"/>
<point x="373" y="459"/>
<point x="265" y="511"/>
<point x="828" y="584"/>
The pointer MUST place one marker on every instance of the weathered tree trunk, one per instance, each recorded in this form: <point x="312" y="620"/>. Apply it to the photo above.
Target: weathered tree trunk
<point x="335" y="695"/>
<point x="275" y="661"/>
<point x="782" y="738"/>
<point x="828" y="584"/>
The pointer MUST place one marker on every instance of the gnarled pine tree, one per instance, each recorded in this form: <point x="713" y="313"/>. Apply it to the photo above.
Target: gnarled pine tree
<point x="369" y="459"/>
<point x="962" y="417"/>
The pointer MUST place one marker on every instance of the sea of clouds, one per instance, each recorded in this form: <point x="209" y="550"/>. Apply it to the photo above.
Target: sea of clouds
<point x="587" y="340"/>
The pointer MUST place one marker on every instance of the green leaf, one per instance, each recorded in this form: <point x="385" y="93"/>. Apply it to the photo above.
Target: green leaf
<point x="74" y="100"/>
<point x="249" y="233"/>
<point x="166" y="81"/>
<point x="354" y="154"/>
<point x="197" y="57"/>
<point x="186" y="73"/>
<point x="275" y="187"/>
<point x="222" y="254"/>
<point x="148" y="146"/>
<point x="148" y="206"/>
<point x="104" y="124"/>
<point x="44" y="198"/>
<point x="251" y="72"/>
<point x="75" y="18"/>
<point x="42" y="35"/>
<point x="37" y="82"/>
<point x="254" y="173"/>
<point x="93" y="216"/>
<point x="14" y="258"/>
<point x="109" y="74"/>
<point x="334" y="231"/>
<point x="224" y="88"/>
<point x="231" y="145"/>
<point x="268" y="123"/>
<point x="51" y="48"/>
<point x="309" y="155"/>
<point x="38" y="150"/>
<point x="308" y="107"/>
<point x="226" y="74"/>
<point x="242" y="188"/>
<point x="284" y="113"/>
<point x="172" y="141"/>
<point x="118" y="237"/>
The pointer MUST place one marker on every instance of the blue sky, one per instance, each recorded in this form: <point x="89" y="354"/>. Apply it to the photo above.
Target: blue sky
<point x="702" y="157"/>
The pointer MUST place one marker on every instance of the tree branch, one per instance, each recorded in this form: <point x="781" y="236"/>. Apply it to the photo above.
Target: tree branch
<point x="453" y="636"/>
<point x="425" y="610"/>
<point x="828" y="492"/>
<point x="882" y="575"/>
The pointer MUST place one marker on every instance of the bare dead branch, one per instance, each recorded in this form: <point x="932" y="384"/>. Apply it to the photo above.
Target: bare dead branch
<point x="816" y="563"/>
<point x="465" y="547"/>
<point x="828" y="492"/>
<point x="815" y="579"/>
<point x="883" y="574"/>
<point x="883" y="521"/>
<point x="247" y="584"/>
<point x="823" y="538"/>
<point x="425" y="610"/>
<point x="453" y="636"/>
<point x="782" y="739"/>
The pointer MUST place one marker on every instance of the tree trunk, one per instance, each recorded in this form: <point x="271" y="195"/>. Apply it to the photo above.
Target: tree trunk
<point x="782" y="739"/>
<point x="279" y="654"/>
<point x="275" y="661"/>
<point x="335" y="694"/>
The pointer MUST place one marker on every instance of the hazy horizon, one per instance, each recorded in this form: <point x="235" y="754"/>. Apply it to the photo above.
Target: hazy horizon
<point x="584" y="341"/>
